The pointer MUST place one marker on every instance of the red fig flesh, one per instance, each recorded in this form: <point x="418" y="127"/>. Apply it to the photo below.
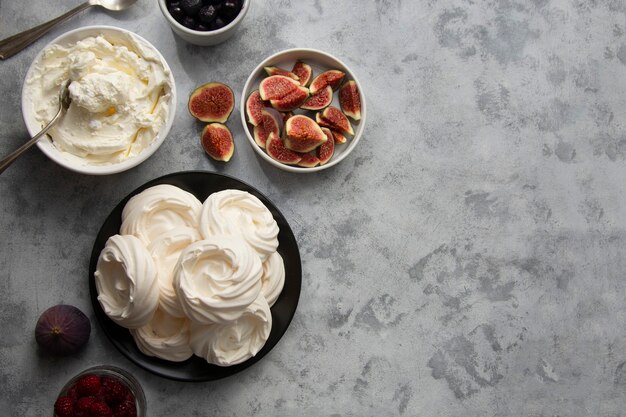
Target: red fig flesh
<point x="330" y="77"/>
<point x="350" y="100"/>
<point x="339" y="138"/>
<point x="309" y="160"/>
<point x="326" y="149"/>
<point x="211" y="102"/>
<point x="269" y="124"/>
<point x="217" y="142"/>
<point x="279" y="71"/>
<point x="303" y="71"/>
<point x="302" y="134"/>
<point x="334" y="118"/>
<point x="286" y="116"/>
<point x="319" y="100"/>
<point x="292" y="100"/>
<point x="277" y="87"/>
<point x="62" y="330"/>
<point x="254" y="105"/>
<point x="277" y="151"/>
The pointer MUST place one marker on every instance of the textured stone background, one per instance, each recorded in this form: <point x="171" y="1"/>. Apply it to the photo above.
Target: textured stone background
<point x="467" y="259"/>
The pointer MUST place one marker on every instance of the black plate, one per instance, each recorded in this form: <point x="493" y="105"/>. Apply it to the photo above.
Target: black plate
<point x="201" y="184"/>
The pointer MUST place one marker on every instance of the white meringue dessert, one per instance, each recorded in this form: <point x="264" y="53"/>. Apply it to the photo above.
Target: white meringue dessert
<point x="126" y="280"/>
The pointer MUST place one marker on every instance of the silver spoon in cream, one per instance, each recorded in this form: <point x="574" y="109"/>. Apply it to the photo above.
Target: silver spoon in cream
<point x="64" y="104"/>
<point x="12" y="45"/>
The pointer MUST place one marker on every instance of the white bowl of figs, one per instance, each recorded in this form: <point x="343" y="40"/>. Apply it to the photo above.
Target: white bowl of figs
<point x="303" y="110"/>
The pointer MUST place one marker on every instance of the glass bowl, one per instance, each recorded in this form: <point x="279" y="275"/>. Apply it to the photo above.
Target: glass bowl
<point x="120" y="375"/>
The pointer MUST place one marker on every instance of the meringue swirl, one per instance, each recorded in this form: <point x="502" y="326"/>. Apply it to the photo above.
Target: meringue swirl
<point x="126" y="281"/>
<point x="236" y="212"/>
<point x="159" y="209"/>
<point x="217" y="278"/>
<point x="165" y="251"/>
<point x="164" y="337"/>
<point x="273" y="279"/>
<point x="226" y="344"/>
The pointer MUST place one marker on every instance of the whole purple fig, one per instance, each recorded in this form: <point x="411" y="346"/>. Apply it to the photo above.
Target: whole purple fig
<point x="62" y="330"/>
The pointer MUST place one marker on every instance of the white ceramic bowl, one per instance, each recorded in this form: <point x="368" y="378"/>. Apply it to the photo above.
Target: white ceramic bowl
<point x="319" y="62"/>
<point x="46" y="145"/>
<point x="205" y="38"/>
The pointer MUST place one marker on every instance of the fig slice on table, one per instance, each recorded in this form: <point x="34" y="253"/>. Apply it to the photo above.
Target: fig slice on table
<point x="62" y="330"/>
<point x="319" y="100"/>
<point x="271" y="70"/>
<point x="277" y="87"/>
<point x="269" y="124"/>
<point x="211" y="102"/>
<point x="303" y="134"/>
<point x="217" y="142"/>
<point x="254" y="105"/>
<point x="309" y="160"/>
<point x="292" y="100"/>
<point x="334" y="119"/>
<point x="332" y="78"/>
<point x="326" y="149"/>
<point x="276" y="150"/>
<point x="303" y="71"/>
<point x="350" y="100"/>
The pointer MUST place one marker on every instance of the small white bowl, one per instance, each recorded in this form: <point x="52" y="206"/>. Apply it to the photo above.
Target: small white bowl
<point x="205" y="38"/>
<point x="319" y="62"/>
<point x="46" y="145"/>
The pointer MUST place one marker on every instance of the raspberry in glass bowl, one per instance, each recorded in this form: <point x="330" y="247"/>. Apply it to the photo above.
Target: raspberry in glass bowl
<point x="101" y="391"/>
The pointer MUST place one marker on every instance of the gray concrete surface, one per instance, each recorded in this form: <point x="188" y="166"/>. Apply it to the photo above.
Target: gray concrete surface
<point x="467" y="259"/>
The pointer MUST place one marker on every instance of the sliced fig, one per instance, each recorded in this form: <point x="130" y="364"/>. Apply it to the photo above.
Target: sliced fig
<point x="350" y="100"/>
<point x="286" y="116"/>
<point x="276" y="150"/>
<point x="277" y="87"/>
<point x="279" y="71"/>
<point x="319" y="100"/>
<point x="211" y="102"/>
<point x="321" y="121"/>
<point x="62" y="330"/>
<point x="303" y="134"/>
<point x="303" y="71"/>
<point x="309" y="160"/>
<point x="269" y="124"/>
<point x="217" y="142"/>
<point x="339" y="137"/>
<point x="292" y="100"/>
<point x="330" y="77"/>
<point x="254" y="105"/>
<point x="334" y="118"/>
<point x="326" y="149"/>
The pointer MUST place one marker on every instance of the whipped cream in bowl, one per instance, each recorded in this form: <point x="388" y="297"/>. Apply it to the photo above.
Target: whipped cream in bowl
<point x="123" y="99"/>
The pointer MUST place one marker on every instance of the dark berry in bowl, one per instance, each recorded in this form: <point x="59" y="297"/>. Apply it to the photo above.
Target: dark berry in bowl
<point x="230" y="9"/>
<point x="218" y="23"/>
<point x="189" y="22"/>
<point x="177" y="13"/>
<point x="207" y="14"/>
<point x="191" y="7"/>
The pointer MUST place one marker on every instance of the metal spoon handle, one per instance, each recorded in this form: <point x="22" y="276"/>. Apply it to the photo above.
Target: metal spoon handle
<point x="12" y="45"/>
<point x="4" y="164"/>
